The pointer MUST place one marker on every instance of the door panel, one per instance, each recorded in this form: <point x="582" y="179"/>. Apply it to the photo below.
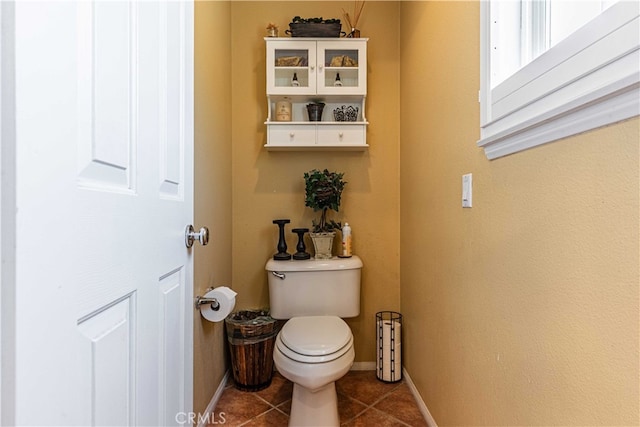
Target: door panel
<point x="172" y="303"/>
<point x="171" y="99"/>
<point x="106" y="93"/>
<point x="110" y="363"/>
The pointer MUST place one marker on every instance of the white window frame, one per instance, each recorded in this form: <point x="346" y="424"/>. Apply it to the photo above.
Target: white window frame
<point x="588" y="80"/>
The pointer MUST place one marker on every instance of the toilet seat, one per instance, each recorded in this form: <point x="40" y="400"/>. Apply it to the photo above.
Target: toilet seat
<point x="315" y="339"/>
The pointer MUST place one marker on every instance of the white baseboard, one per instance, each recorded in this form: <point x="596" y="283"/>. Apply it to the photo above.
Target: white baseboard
<point x="363" y="366"/>
<point x="421" y="405"/>
<point x="214" y="400"/>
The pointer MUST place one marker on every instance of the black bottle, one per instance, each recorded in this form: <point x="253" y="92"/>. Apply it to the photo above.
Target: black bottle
<point x="338" y="82"/>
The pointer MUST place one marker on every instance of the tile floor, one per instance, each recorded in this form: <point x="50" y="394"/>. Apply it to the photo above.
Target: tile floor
<point x="362" y="401"/>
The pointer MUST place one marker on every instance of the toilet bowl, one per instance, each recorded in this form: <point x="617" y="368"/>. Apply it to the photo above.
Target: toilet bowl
<point x="314" y="348"/>
<point x="313" y="352"/>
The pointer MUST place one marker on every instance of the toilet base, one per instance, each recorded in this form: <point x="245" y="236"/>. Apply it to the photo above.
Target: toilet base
<point x="314" y="408"/>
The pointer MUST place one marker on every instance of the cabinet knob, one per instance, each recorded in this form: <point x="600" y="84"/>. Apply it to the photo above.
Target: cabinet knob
<point x="312" y="67"/>
<point x="291" y="134"/>
<point x="340" y="134"/>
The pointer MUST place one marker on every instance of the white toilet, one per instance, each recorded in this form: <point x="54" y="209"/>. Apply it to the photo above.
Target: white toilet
<point x="315" y="347"/>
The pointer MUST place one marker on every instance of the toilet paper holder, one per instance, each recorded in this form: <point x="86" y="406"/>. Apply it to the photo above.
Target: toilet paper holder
<point x="215" y="305"/>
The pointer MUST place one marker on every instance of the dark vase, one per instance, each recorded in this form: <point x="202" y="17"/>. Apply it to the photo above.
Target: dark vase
<point x="315" y="111"/>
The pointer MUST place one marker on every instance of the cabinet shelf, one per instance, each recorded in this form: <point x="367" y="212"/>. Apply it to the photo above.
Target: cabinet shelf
<point x="309" y="59"/>
<point x="290" y="67"/>
<point x="317" y="147"/>
<point x="322" y="123"/>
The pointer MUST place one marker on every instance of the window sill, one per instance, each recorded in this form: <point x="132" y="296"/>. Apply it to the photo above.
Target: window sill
<point x="589" y="80"/>
<point x="614" y="103"/>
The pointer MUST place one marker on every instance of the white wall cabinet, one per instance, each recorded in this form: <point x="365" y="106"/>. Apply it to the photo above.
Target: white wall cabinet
<point x="328" y="70"/>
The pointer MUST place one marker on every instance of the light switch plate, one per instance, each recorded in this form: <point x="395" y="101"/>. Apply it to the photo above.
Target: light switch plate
<point x="467" y="190"/>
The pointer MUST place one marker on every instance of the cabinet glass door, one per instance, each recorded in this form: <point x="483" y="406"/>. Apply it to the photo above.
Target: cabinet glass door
<point x="342" y="68"/>
<point x="291" y="68"/>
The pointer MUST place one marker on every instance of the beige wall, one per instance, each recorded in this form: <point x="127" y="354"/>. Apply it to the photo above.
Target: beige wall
<point x="212" y="263"/>
<point x="522" y="310"/>
<point x="269" y="185"/>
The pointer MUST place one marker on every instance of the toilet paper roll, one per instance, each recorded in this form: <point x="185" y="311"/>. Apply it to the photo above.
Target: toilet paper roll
<point x="389" y="353"/>
<point x="227" y="299"/>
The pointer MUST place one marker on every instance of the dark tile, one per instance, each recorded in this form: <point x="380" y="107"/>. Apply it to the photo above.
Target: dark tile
<point x="364" y="386"/>
<point x="285" y="407"/>
<point x="401" y="404"/>
<point x="373" y="417"/>
<point x="348" y="408"/>
<point x="279" y="390"/>
<point x="239" y="406"/>
<point x="271" y="418"/>
<point x="393" y="404"/>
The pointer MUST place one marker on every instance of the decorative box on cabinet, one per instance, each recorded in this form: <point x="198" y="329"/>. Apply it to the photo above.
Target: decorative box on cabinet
<point x="315" y="65"/>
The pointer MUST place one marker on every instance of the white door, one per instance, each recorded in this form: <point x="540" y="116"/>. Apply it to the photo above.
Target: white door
<point x="104" y="137"/>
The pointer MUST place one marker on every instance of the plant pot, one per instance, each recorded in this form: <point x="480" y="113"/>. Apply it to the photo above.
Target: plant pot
<point x="315" y="111"/>
<point x="314" y="29"/>
<point x="323" y="244"/>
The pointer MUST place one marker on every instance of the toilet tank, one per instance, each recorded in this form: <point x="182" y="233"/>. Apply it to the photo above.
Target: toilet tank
<point x="328" y="287"/>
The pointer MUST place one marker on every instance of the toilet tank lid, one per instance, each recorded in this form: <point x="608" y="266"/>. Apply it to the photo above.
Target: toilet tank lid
<point x="334" y="263"/>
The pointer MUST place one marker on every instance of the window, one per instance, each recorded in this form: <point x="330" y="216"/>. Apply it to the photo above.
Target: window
<point x="555" y="68"/>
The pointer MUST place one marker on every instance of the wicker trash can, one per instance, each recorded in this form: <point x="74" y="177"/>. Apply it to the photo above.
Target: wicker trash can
<point x="251" y="335"/>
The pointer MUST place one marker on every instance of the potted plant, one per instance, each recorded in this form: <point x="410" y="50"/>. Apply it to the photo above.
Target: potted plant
<point x="323" y="190"/>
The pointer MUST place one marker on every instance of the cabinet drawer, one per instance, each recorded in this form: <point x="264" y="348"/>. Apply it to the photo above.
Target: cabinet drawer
<point x="292" y="135"/>
<point x="341" y="134"/>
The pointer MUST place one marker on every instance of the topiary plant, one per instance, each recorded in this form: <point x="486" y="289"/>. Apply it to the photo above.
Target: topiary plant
<point x="323" y="191"/>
